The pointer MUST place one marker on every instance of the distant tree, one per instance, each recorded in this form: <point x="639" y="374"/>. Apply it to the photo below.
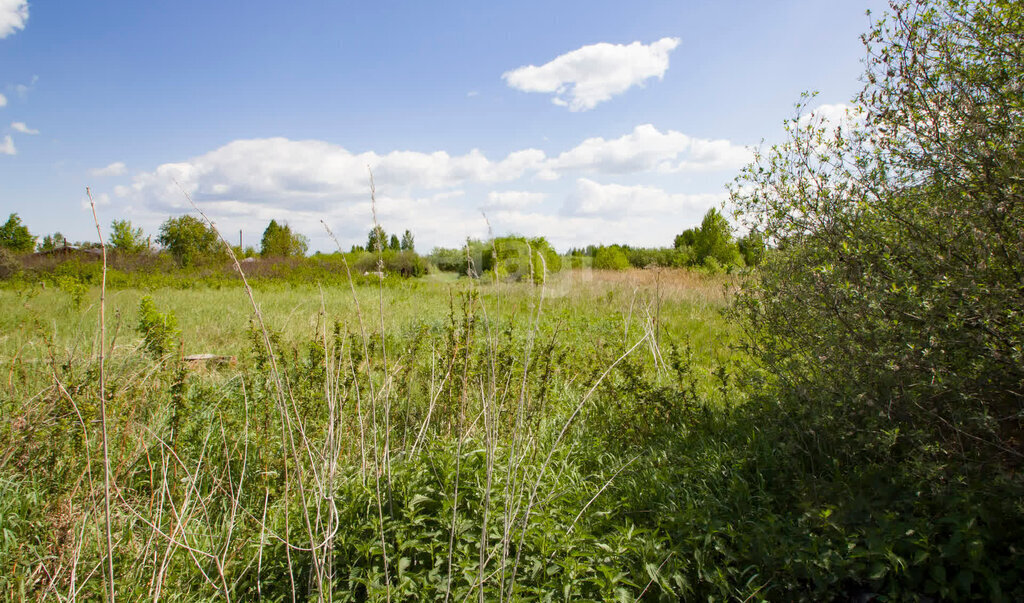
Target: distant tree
<point x="279" y="241"/>
<point x="752" y="248"/>
<point x="127" y="239"/>
<point x="377" y="239"/>
<point x="15" y="236"/>
<point x="714" y="240"/>
<point x="189" y="240"/>
<point x="394" y="244"/>
<point x="54" y="241"/>
<point x="688" y="238"/>
<point x="407" y="241"/>
<point x="610" y="258"/>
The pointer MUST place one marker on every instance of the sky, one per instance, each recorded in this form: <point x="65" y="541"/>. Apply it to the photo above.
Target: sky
<point x="584" y="122"/>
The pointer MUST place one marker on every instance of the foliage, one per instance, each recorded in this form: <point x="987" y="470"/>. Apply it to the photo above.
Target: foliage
<point x="279" y="241"/>
<point x="408" y="241"/>
<point x="521" y="258"/>
<point x="9" y="264"/>
<point x="458" y="260"/>
<point x="610" y="258"/>
<point x="15" y="237"/>
<point x="189" y="240"/>
<point x="124" y="237"/>
<point x="752" y="248"/>
<point x="54" y="241"/>
<point x="898" y="277"/>
<point x="159" y="330"/>
<point x="377" y="239"/>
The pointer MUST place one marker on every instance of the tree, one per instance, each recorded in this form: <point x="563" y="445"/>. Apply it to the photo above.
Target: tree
<point x="189" y="240"/>
<point x="377" y="239"/>
<point x="898" y="262"/>
<point x="54" y="241"/>
<point x="407" y="241"/>
<point x="15" y="236"/>
<point x="714" y="240"/>
<point x="279" y="241"/>
<point x="752" y="248"/>
<point x="394" y="244"/>
<point x="126" y="238"/>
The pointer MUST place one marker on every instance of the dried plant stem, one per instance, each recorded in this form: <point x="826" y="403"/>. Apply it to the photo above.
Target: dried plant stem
<point x="103" y="403"/>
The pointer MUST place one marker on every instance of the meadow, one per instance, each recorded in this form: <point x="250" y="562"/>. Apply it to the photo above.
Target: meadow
<point x="829" y="408"/>
<point x="449" y="456"/>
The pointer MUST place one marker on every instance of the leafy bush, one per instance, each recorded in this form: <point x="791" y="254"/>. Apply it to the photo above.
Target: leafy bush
<point x="898" y="275"/>
<point x="159" y="330"/>
<point x="610" y="258"/>
<point x="521" y="258"/>
<point x="9" y="265"/>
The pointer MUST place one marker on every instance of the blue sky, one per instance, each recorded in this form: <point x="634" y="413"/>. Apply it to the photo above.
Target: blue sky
<point x="586" y="122"/>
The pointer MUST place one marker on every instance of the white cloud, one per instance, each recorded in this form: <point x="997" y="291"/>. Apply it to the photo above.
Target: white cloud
<point x="19" y="126"/>
<point x="101" y="199"/>
<point x="830" y="116"/>
<point x="114" y="169"/>
<point x="512" y="199"/>
<point x="7" y="148"/>
<point x="619" y="201"/>
<point x="13" y="14"/>
<point x="592" y="74"/>
<point x="3" y="100"/>
<point x="646" y="149"/>
<point x="437" y="194"/>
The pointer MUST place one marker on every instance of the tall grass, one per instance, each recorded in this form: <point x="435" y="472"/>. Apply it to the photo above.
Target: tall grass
<point x="430" y="451"/>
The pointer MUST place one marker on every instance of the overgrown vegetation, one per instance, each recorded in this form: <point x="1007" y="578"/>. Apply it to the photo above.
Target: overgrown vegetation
<point x="847" y="427"/>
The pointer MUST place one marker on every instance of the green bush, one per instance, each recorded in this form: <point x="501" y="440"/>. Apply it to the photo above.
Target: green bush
<point x="610" y="258"/>
<point x="159" y="330"/>
<point x="897" y="280"/>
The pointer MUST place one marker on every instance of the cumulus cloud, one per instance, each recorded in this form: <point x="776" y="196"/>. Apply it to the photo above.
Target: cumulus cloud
<point x="512" y="199"/>
<point x="7" y="147"/>
<point x="832" y="116"/>
<point x="114" y="169"/>
<point x="3" y="100"/>
<point x="13" y="15"/>
<point x="645" y="149"/>
<point x="19" y="126"/>
<point x="592" y="74"/>
<point x="616" y="200"/>
<point x="437" y="194"/>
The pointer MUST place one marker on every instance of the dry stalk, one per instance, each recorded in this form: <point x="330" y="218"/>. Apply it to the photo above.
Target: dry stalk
<point x="103" y="402"/>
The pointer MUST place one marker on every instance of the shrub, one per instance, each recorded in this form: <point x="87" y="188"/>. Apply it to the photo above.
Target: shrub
<point x="897" y="280"/>
<point x="159" y="330"/>
<point x="9" y="265"/>
<point x="610" y="258"/>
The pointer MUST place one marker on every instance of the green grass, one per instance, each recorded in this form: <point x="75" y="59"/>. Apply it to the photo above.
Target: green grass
<point x="598" y="438"/>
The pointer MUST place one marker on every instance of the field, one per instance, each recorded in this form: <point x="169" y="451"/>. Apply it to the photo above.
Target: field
<point x="486" y="445"/>
<point x="601" y="435"/>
